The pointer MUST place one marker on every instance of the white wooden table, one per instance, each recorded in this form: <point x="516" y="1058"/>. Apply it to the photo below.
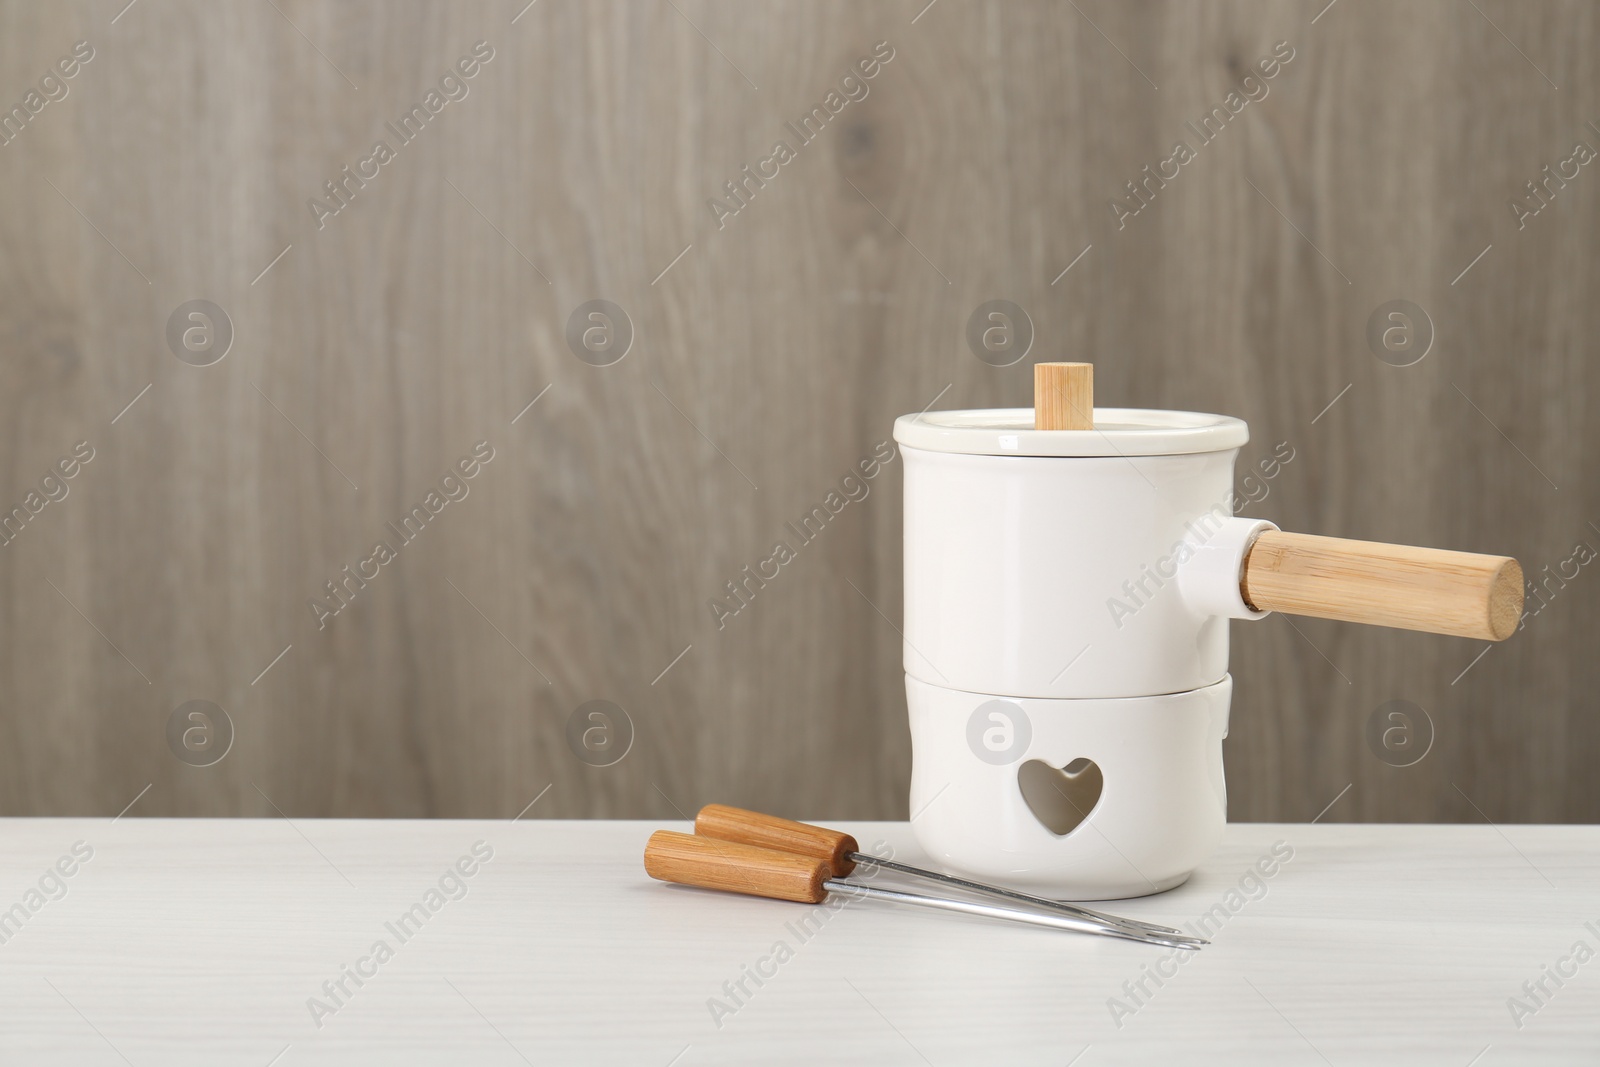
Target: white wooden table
<point x="201" y="942"/>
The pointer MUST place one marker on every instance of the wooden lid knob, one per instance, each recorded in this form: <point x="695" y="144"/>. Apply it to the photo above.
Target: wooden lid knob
<point x="1063" y="396"/>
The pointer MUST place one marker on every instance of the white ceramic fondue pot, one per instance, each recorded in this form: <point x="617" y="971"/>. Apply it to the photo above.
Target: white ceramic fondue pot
<point x="1069" y="577"/>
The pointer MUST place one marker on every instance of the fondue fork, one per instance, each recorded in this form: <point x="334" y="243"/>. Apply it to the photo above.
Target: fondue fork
<point x="710" y="863"/>
<point x="842" y="854"/>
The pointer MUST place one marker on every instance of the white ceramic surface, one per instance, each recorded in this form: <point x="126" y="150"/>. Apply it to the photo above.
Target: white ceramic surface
<point x="1060" y="577"/>
<point x="1161" y="808"/>
<point x="1067" y="594"/>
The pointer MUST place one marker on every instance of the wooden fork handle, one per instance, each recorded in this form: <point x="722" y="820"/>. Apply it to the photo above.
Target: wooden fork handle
<point x="735" y="868"/>
<point x="785" y="835"/>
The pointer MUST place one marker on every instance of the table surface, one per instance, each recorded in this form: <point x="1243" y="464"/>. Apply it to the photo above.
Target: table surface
<point x="209" y="942"/>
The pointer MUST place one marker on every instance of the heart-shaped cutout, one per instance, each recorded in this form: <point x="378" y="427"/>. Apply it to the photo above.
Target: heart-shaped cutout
<point x="1061" y="798"/>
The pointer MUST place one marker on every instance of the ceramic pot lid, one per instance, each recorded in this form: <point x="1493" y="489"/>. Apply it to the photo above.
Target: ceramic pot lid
<point x="1117" y="432"/>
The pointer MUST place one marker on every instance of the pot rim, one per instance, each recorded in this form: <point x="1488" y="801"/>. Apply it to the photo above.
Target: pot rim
<point x="1117" y="432"/>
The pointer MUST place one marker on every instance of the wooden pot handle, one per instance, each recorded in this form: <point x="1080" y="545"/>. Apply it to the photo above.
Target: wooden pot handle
<point x="1459" y="593"/>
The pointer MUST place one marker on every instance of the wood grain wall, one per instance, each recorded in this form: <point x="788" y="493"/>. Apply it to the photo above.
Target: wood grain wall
<point x="771" y="350"/>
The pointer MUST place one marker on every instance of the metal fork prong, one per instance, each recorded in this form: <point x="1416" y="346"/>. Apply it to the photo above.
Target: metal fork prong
<point x="1132" y="925"/>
